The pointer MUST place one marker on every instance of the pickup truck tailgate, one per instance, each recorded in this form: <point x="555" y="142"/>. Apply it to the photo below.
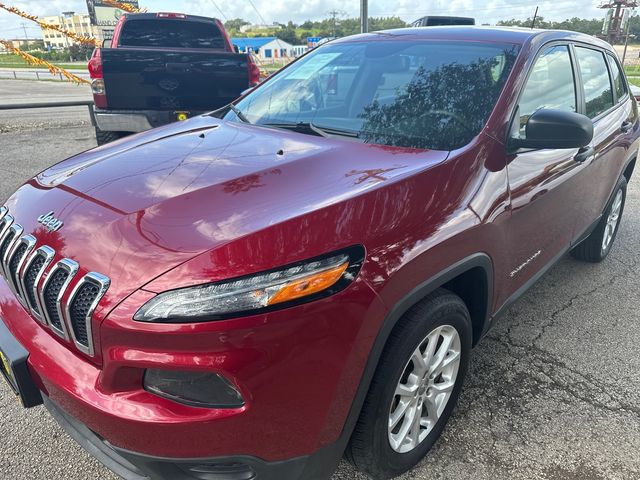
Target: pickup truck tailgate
<point x="186" y="80"/>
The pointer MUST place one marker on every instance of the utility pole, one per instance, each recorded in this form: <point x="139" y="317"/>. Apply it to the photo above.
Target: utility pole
<point x="364" y="16"/>
<point x="26" y="37"/>
<point x="626" y="40"/>
<point x="334" y="13"/>
<point x="618" y="7"/>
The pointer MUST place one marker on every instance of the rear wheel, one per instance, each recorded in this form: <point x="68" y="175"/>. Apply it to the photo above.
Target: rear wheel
<point x="103" y="137"/>
<point x="597" y="246"/>
<point x="415" y="387"/>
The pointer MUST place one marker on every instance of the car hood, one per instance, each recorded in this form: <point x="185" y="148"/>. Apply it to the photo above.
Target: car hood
<point x="139" y="207"/>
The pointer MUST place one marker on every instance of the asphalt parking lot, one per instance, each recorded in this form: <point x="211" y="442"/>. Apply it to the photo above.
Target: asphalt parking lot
<point x="553" y="392"/>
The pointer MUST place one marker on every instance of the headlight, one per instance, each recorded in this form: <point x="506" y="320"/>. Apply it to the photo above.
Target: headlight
<point x="291" y="285"/>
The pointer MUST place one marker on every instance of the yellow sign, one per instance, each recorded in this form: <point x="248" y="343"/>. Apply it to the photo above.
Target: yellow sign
<point x="5" y="364"/>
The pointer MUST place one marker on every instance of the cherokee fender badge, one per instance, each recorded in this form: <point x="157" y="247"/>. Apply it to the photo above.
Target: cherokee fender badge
<point x="527" y="262"/>
<point x="50" y="222"/>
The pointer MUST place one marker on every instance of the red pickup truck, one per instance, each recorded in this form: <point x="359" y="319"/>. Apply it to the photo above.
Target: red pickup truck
<point x="164" y="67"/>
<point x="253" y="293"/>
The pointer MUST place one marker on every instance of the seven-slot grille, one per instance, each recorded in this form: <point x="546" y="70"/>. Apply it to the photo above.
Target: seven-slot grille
<point x="42" y="287"/>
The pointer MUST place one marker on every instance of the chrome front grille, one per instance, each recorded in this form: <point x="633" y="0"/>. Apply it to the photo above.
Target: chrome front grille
<point x="42" y="288"/>
<point x="52" y="295"/>
<point x="30" y="280"/>
<point x="83" y="302"/>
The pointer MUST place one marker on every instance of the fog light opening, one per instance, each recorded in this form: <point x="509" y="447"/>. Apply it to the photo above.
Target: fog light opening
<point x="196" y="389"/>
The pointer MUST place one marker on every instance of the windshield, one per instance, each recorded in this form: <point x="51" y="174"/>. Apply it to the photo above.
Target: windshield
<point x="417" y="94"/>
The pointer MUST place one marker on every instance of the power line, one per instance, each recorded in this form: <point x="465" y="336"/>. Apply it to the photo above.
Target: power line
<point x="221" y="12"/>
<point x="498" y="9"/>
<point x="264" y="22"/>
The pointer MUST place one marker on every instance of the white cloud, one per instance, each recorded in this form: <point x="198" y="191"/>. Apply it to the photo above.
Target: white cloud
<point x="489" y="11"/>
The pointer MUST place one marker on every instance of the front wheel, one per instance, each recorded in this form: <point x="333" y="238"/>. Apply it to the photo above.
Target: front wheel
<point x="597" y="245"/>
<point x="415" y="387"/>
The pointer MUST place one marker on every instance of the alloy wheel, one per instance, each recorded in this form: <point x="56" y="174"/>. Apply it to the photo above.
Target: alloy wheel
<point x="424" y="388"/>
<point x="612" y="221"/>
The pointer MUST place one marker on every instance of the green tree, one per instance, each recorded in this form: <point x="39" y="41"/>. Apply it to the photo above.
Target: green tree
<point x="288" y="33"/>
<point x="575" y="24"/>
<point x="235" y="24"/>
<point x="80" y="52"/>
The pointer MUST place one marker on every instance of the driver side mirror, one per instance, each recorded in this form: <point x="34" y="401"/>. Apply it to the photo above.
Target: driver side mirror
<point x="557" y="129"/>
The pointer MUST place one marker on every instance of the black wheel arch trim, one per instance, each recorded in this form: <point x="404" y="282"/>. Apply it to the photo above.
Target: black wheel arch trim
<point x="477" y="260"/>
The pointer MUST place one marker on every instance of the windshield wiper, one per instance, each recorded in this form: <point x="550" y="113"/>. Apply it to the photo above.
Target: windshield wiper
<point x="238" y="113"/>
<point x="312" y="127"/>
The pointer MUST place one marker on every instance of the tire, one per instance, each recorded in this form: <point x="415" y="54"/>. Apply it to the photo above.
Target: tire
<point x="103" y="137"/>
<point x="594" y="248"/>
<point x="370" y="449"/>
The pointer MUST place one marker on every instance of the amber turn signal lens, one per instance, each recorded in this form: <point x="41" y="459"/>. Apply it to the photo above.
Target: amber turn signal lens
<point x="306" y="286"/>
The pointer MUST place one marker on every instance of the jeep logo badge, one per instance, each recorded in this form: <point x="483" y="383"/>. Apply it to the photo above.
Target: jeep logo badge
<point x="50" y="222"/>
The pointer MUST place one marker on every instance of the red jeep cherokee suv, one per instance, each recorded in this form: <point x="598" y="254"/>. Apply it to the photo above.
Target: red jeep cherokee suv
<point x="253" y="292"/>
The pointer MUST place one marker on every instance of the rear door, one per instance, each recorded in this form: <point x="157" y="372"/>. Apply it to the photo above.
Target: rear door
<point x="546" y="186"/>
<point x="172" y="64"/>
<point x="608" y="103"/>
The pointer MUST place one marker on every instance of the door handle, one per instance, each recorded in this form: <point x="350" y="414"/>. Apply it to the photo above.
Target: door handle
<point x="584" y="153"/>
<point x="626" y="127"/>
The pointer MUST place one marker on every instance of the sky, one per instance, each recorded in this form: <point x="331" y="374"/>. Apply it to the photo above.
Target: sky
<point x="488" y="11"/>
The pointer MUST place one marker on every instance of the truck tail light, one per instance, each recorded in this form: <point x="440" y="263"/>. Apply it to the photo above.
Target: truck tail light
<point x="171" y="15"/>
<point x="95" y="65"/>
<point x="96" y="73"/>
<point x="254" y="73"/>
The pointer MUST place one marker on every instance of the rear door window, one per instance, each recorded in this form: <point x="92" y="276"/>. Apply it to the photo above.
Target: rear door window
<point x="595" y="77"/>
<point x="618" y="78"/>
<point x="168" y="33"/>
<point x="550" y="85"/>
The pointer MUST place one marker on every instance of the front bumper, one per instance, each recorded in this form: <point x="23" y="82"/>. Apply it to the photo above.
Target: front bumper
<point x="134" y="466"/>
<point x="297" y="368"/>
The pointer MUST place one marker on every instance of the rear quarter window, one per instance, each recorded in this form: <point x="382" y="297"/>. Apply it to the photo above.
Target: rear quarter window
<point x="618" y="78"/>
<point x="168" y="33"/>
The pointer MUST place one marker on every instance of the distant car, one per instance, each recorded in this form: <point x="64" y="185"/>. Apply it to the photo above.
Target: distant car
<point x="436" y="21"/>
<point x="164" y="67"/>
<point x="252" y="293"/>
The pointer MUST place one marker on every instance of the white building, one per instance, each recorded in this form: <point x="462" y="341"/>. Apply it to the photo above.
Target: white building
<point x="298" y="50"/>
<point x="266" y="48"/>
<point x="79" y="24"/>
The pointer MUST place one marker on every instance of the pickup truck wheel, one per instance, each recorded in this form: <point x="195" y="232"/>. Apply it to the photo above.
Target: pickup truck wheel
<point x="102" y="137"/>
<point x="597" y="246"/>
<point x="415" y="387"/>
